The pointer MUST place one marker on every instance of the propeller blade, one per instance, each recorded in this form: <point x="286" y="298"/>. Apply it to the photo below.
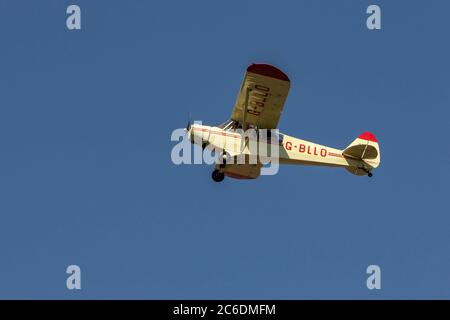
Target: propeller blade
<point x="188" y="126"/>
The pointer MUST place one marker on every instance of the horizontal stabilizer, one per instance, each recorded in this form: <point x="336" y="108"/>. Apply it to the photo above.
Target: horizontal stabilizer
<point x="361" y="151"/>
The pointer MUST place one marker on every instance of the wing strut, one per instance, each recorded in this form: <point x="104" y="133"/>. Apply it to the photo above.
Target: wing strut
<point x="244" y="118"/>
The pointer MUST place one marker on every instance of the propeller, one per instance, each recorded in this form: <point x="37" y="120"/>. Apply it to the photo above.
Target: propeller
<point x="188" y="126"/>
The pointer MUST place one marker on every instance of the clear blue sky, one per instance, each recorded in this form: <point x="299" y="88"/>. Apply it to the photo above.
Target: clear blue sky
<point x="86" y="176"/>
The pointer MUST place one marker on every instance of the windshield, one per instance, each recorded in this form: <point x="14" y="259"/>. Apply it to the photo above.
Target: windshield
<point x="230" y="125"/>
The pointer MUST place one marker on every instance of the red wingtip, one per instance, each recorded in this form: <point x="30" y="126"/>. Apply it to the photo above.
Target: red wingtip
<point x="267" y="70"/>
<point x="368" y="136"/>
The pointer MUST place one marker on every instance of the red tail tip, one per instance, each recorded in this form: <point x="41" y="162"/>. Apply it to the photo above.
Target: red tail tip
<point x="368" y="136"/>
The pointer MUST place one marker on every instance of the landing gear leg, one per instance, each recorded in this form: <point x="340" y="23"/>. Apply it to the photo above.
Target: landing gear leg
<point x="224" y="160"/>
<point x="217" y="176"/>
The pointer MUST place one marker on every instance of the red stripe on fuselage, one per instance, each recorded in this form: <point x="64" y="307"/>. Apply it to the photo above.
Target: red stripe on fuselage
<point x="335" y="155"/>
<point x="228" y="134"/>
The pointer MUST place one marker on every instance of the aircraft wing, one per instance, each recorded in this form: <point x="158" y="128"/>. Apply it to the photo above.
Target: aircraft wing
<point x="262" y="96"/>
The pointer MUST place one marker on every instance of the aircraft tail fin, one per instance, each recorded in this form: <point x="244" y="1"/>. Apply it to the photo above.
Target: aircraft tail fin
<point x="364" y="148"/>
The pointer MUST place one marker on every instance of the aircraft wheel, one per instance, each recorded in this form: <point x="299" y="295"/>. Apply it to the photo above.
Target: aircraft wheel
<point x="217" y="176"/>
<point x="370" y="174"/>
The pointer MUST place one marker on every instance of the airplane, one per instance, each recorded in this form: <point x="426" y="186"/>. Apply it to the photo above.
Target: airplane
<point x="259" y="105"/>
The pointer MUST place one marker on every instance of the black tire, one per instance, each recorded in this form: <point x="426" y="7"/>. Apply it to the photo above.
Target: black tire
<point x="370" y="174"/>
<point x="217" y="176"/>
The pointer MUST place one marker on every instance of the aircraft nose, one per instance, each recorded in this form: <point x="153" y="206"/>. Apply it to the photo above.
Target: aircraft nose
<point x="188" y="133"/>
<point x="198" y="134"/>
<point x="195" y="134"/>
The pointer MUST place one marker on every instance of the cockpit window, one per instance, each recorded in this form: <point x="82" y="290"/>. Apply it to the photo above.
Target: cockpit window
<point x="225" y="124"/>
<point x="269" y="136"/>
<point x="230" y="125"/>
